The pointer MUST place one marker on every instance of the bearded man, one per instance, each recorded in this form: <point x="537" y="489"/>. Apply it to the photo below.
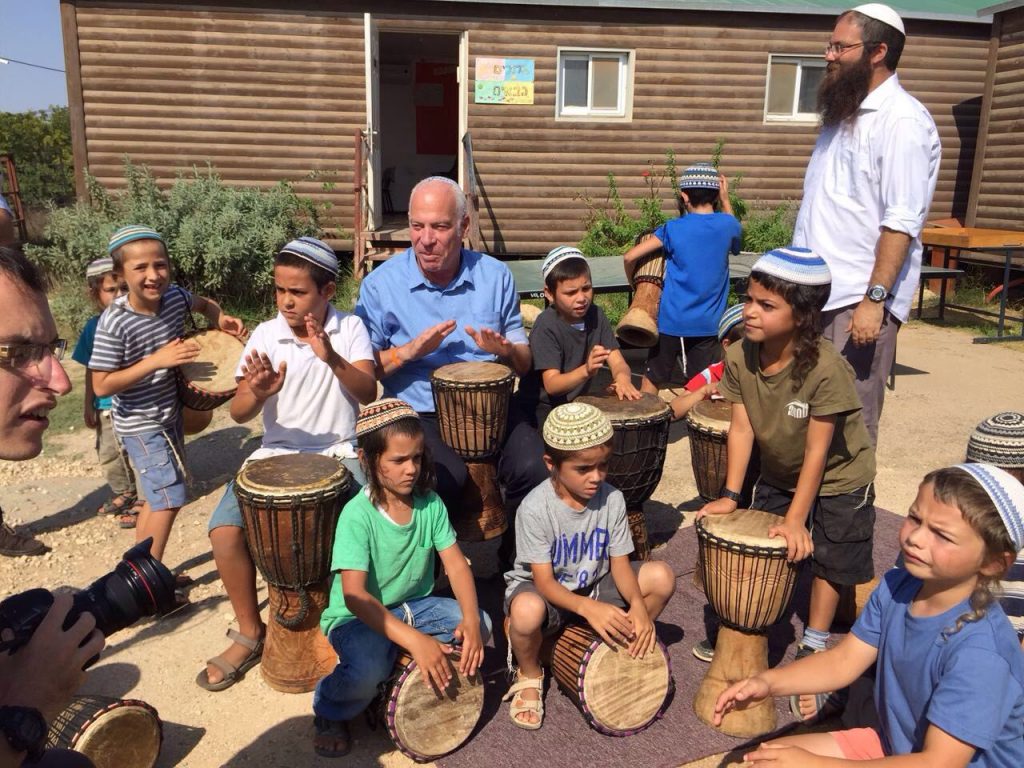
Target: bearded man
<point x="867" y="191"/>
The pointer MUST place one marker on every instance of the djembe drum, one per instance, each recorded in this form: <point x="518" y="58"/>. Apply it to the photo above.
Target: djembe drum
<point x="425" y="723"/>
<point x="638" y="454"/>
<point x="749" y="583"/>
<point x="639" y="326"/>
<point x="617" y="694"/>
<point x="113" y="733"/>
<point x="708" y="424"/>
<point x="471" y="400"/>
<point x="209" y="380"/>
<point x="291" y="505"/>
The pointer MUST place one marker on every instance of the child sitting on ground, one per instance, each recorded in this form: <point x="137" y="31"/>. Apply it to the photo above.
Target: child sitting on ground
<point x="138" y="343"/>
<point x="305" y="371"/>
<point x="705" y="384"/>
<point x="104" y="287"/>
<point x="381" y="598"/>
<point x="558" y="576"/>
<point x="696" y="286"/>
<point x="950" y="685"/>
<point x="793" y="393"/>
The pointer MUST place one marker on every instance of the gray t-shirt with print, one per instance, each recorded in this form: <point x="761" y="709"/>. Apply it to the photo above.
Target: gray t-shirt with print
<point x="578" y="544"/>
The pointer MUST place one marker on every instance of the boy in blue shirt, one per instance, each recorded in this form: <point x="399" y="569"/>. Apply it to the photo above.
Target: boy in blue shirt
<point x="697" y="247"/>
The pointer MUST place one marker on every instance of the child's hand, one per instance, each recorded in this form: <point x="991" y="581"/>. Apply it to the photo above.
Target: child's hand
<point x="232" y="325"/>
<point x="716" y="507"/>
<point x="625" y="390"/>
<point x="783" y="755"/>
<point x="90" y="415"/>
<point x="723" y="186"/>
<point x="318" y="341"/>
<point x="176" y="352"/>
<point x="644" y="638"/>
<point x="609" y="621"/>
<point x="432" y="659"/>
<point x="468" y="635"/>
<point x="798" y="541"/>
<point x="260" y="376"/>
<point x="738" y="695"/>
<point x="596" y="359"/>
<point x="709" y="389"/>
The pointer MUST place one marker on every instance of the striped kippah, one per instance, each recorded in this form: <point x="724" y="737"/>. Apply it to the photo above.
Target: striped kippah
<point x="1007" y="495"/>
<point x="794" y="265"/>
<point x="732" y="317"/>
<point x="999" y="441"/>
<point x="557" y="256"/>
<point x="130" y="234"/>
<point x="379" y="414"/>
<point x="700" y="176"/>
<point x="99" y="267"/>
<point x="576" y="427"/>
<point x="315" y="252"/>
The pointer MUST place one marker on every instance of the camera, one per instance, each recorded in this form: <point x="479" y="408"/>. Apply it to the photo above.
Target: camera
<point x="140" y="585"/>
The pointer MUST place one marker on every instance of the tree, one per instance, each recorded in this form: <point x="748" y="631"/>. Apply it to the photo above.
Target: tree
<point x="40" y="141"/>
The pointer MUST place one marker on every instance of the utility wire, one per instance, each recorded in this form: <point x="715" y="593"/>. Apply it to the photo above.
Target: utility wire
<point x="29" y="64"/>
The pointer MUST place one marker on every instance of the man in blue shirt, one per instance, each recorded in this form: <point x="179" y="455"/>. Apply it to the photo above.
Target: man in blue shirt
<point x="439" y="303"/>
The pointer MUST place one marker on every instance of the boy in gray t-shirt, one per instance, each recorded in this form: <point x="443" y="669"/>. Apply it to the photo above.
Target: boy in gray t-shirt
<point x="572" y="557"/>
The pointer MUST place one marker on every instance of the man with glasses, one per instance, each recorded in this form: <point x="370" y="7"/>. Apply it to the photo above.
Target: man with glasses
<point x="867" y="191"/>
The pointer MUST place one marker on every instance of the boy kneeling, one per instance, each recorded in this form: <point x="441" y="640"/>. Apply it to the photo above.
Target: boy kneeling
<point x="572" y="557"/>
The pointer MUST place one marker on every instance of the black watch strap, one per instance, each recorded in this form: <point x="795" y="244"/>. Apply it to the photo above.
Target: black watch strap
<point x="730" y="495"/>
<point x="25" y="729"/>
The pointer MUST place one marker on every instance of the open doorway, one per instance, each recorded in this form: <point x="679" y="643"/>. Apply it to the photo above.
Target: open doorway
<point x="419" y="112"/>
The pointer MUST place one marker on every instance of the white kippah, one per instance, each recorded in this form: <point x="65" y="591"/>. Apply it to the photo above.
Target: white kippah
<point x="1007" y="495"/>
<point x="557" y="255"/>
<point x="883" y="13"/>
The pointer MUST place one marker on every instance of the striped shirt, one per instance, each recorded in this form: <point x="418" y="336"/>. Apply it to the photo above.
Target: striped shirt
<point x="123" y="338"/>
<point x="1012" y="585"/>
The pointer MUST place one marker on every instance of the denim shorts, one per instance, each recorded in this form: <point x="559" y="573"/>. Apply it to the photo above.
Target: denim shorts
<point x="158" y="465"/>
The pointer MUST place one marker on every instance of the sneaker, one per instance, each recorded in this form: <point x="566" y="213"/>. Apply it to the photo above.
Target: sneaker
<point x="13" y="544"/>
<point x="704" y="651"/>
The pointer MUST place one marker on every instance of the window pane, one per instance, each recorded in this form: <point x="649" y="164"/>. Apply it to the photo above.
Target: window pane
<point x="810" y="79"/>
<point x="781" y="84"/>
<point x="606" y="83"/>
<point x="574" y="83"/>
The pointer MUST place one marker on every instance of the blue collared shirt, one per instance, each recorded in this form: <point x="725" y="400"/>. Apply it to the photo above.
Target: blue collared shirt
<point x="397" y="303"/>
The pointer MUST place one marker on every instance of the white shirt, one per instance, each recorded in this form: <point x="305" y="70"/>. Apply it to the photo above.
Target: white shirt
<point x="875" y="170"/>
<point x="313" y="412"/>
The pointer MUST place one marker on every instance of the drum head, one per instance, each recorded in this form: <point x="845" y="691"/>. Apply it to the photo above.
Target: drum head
<point x="125" y="735"/>
<point x="648" y="408"/>
<point x="473" y="373"/>
<point x="214" y="369"/>
<point x="292" y="474"/>
<point x="429" y="725"/>
<point x="713" y="415"/>
<point x="745" y="526"/>
<point x="624" y="692"/>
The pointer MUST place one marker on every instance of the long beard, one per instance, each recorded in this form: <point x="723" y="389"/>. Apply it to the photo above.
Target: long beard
<point x="842" y="90"/>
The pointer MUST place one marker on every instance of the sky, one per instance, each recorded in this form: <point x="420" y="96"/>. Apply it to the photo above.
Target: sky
<point x="30" y="31"/>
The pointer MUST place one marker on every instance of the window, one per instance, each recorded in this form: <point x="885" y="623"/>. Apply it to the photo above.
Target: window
<point x="593" y="84"/>
<point x="793" y="87"/>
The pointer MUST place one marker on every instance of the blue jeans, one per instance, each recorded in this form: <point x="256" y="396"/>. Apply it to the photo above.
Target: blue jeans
<point x="368" y="658"/>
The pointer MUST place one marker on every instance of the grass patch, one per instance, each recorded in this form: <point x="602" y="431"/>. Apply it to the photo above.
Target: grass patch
<point x="971" y="291"/>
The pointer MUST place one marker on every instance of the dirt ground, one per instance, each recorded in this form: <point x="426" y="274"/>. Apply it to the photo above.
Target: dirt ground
<point x="945" y="384"/>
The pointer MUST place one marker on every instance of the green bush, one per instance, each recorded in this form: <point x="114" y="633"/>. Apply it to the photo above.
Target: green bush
<point x="40" y="142"/>
<point x="767" y="229"/>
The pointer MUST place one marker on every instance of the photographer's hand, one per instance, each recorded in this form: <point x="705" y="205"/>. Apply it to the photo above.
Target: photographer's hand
<point x="48" y="669"/>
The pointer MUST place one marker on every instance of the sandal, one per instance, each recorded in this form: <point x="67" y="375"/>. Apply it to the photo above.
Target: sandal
<point x="519" y="705"/>
<point x="120" y="503"/>
<point x="334" y="731"/>
<point x="129" y="518"/>
<point x="825" y="704"/>
<point x="232" y="674"/>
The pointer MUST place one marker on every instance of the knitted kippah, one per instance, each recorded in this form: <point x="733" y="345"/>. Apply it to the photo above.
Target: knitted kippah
<point x="883" y="13"/>
<point x="1006" y="493"/>
<point x="557" y="256"/>
<point x="379" y="414"/>
<point x="99" y="267"/>
<point x="131" y="233"/>
<point x="732" y="317"/>
<point x="576" y="427"/>
<point x="315" y="252"/>
<point x="999" y="441"/>
<point x="700" y="176"/>
<point x="794" y="265"/>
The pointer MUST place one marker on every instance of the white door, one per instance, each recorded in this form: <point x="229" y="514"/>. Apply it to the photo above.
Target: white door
<point x="464" y="170"/>
<point x="372" y="57"/>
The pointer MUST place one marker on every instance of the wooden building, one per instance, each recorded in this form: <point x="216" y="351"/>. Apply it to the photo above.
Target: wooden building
<point x="529" y="103"/>
<point x="997" y="190"/>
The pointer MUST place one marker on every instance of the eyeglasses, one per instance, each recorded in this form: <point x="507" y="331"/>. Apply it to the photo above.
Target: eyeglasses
<point x="838" y="49"/>
<point x="37" y="358"/>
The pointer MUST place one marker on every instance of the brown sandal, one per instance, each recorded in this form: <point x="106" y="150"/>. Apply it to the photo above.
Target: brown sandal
<point x="232" y="674"/>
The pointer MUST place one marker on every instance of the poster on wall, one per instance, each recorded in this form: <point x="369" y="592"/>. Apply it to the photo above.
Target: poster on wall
<point x="503" y="81"/>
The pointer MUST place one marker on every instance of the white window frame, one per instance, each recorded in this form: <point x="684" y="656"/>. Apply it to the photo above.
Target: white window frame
<point x="811" y="60"/>
<point x="624" y="109"/>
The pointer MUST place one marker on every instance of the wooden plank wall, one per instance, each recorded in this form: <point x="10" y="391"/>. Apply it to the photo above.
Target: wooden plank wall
<point x="262" y="96"/>
<point x="998" y="200"/>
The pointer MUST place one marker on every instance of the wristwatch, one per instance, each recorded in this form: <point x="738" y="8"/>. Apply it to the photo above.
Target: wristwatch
<point x="25" y="729"/>
<point x="877" y="293"/>
<point x="730" y="495"/>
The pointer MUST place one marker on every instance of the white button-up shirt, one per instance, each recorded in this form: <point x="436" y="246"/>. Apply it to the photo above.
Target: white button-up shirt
<point x="876" y="169"/>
